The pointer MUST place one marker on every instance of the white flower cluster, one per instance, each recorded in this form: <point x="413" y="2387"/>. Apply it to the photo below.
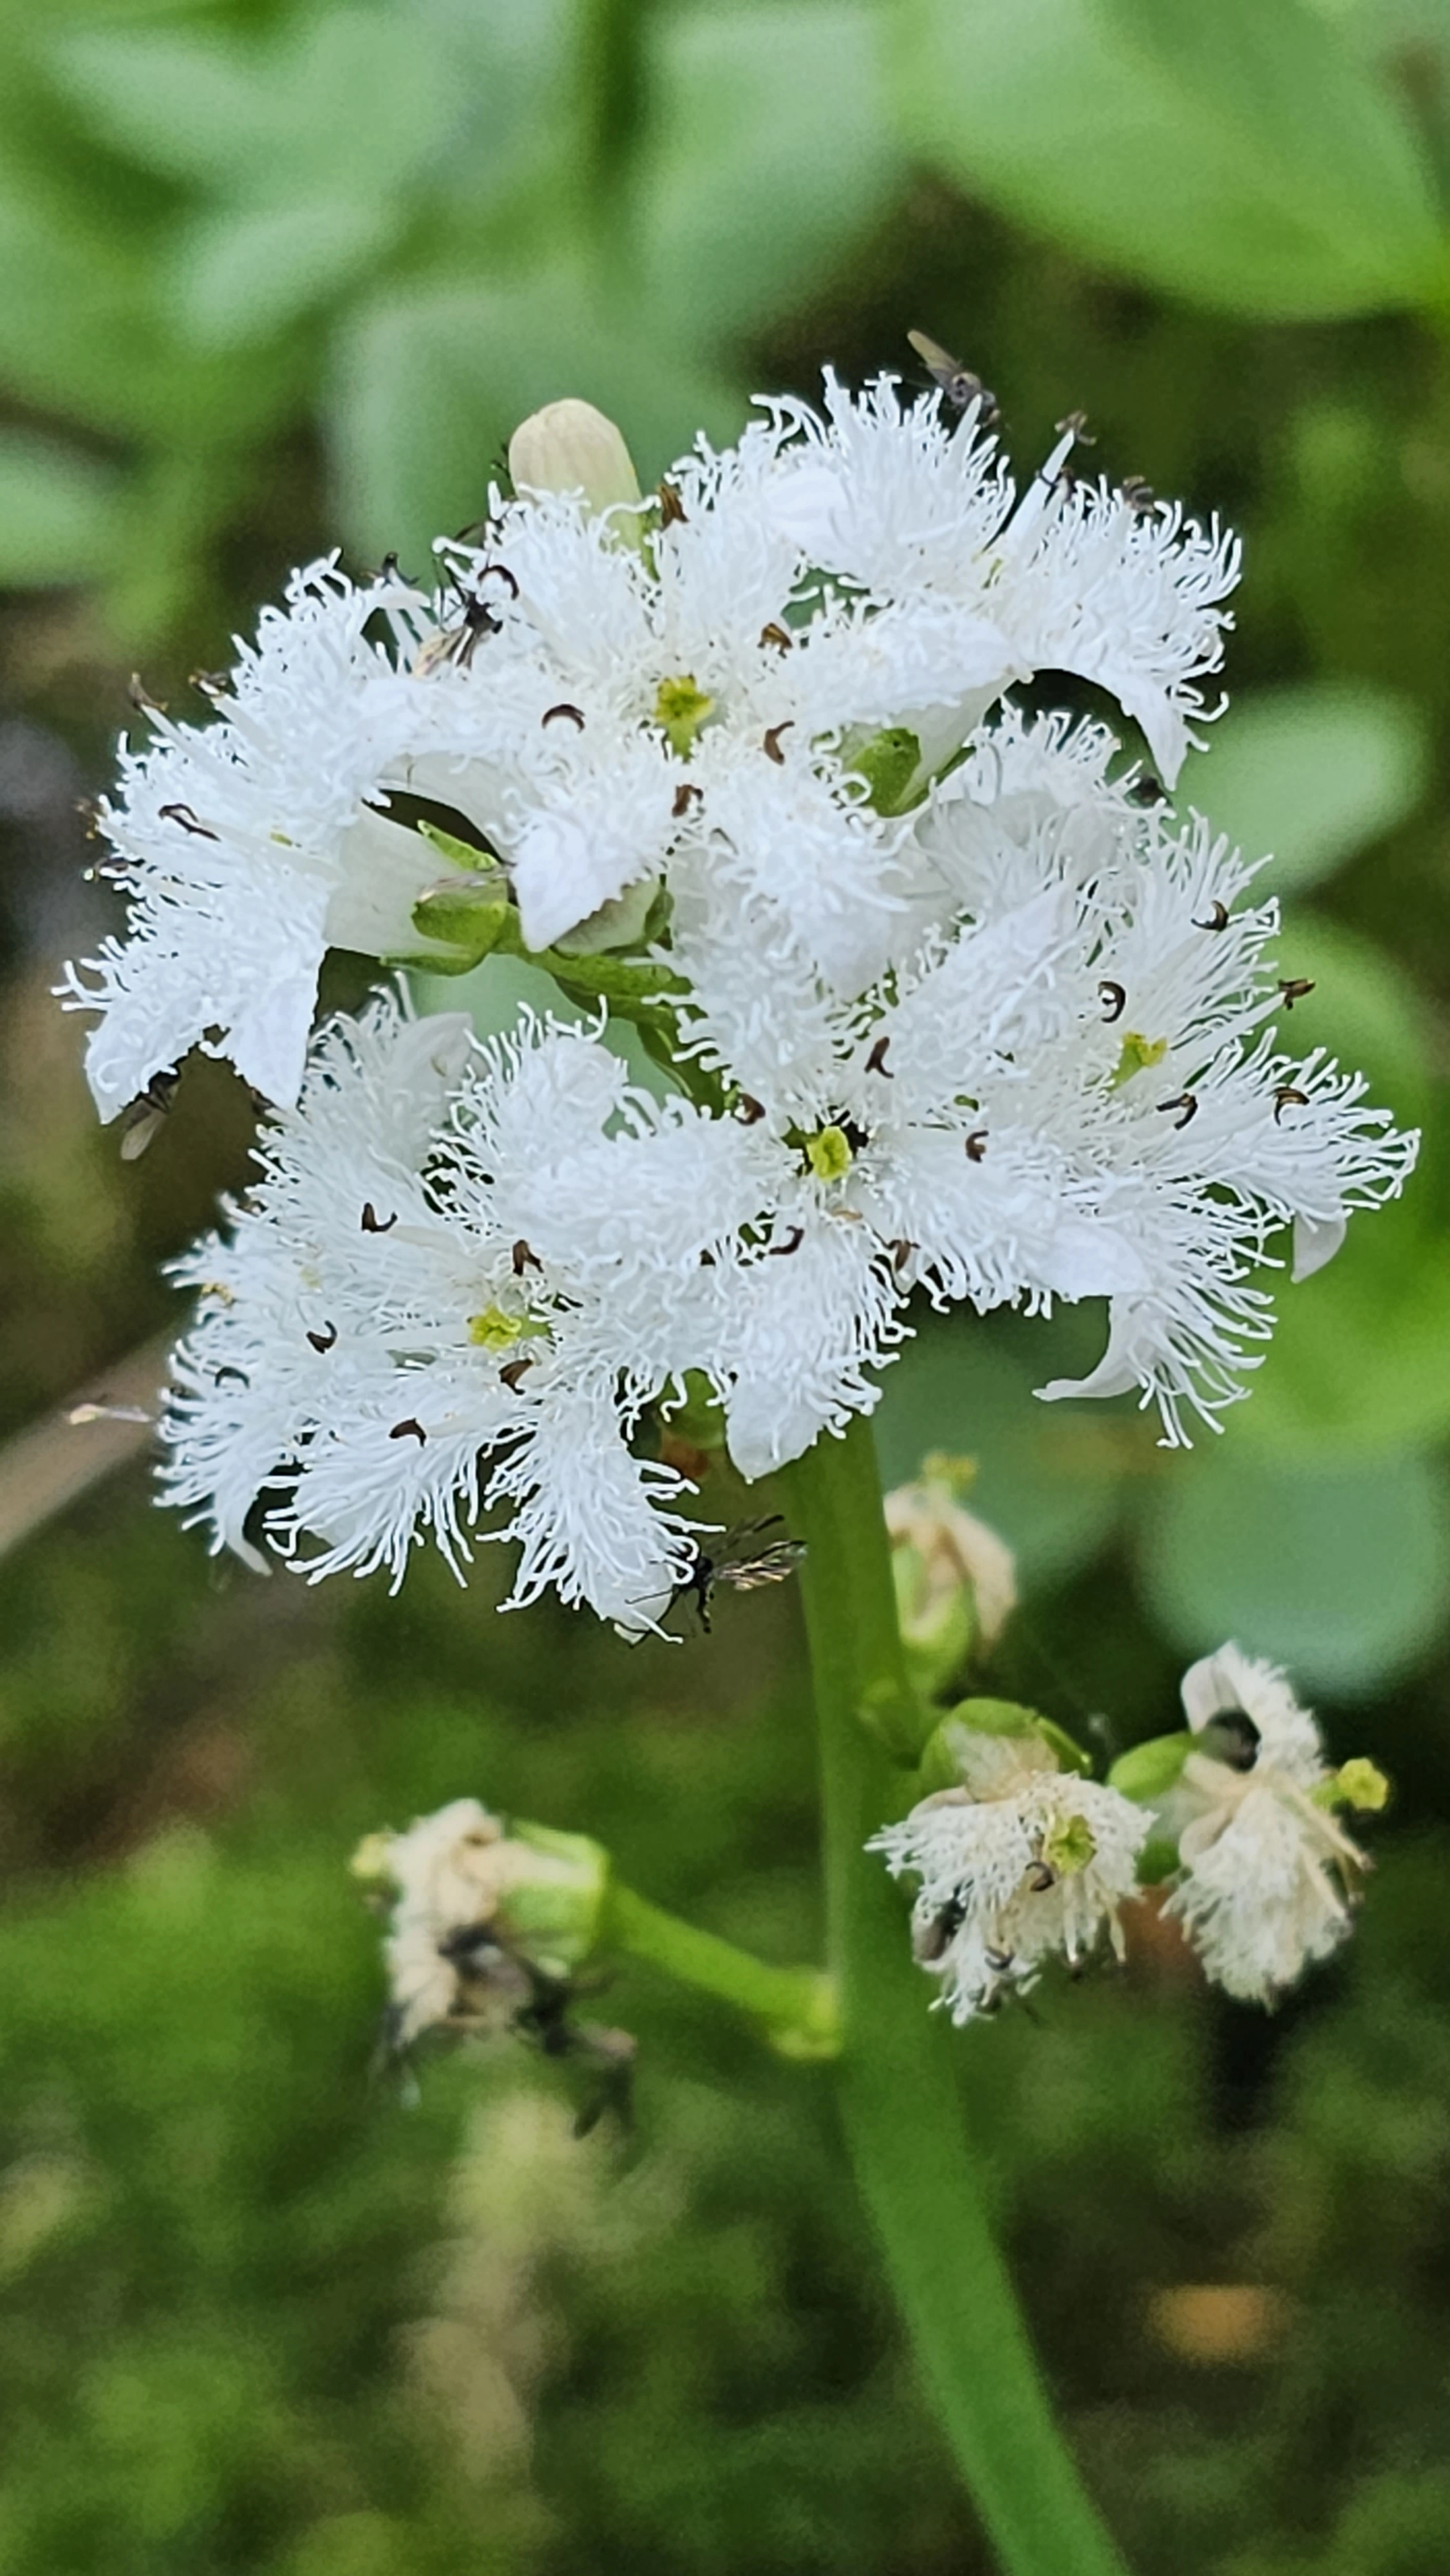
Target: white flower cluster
<point x="1024" y="1860"/>
<point x="1021" y="1863"/>
<point x="952" y="1005"/>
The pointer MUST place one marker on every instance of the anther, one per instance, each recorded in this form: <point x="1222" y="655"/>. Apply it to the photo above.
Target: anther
<point x="876" y="1060"/>
<point x="1186" y="1104"/>
<point x="524" y="1258"/>
<point x="183" y="815"/>
<point x="749" y="1111"/>
<point x="574" y="714"/>
<point x="1147" y="791"/>
<point x="409" y="1430"/>
<point x="218" y="1375"/>
<point x="1294" y="988"/>
<point x="672" y="508"/>
<point x="324" y="1340"/>
<point x="513" y="1370"/>
<point x="901" y="1252"/>
<point x="1115" y="999"/>
<point x="1139" y="495"/>
<point x="686" y="795"/>
<point x="772" y="741"/>
<point x="778" y="636"/>
<point x="372" y="1223"/>
<point x="1040" y="1877"/>
<point x="1217" y="919"/>
<point x="976" y="1144"/>
<point x="1286" y="1097"/>
<point x="793" y="1241"/>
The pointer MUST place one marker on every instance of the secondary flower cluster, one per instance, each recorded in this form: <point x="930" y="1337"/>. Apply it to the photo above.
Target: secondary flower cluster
<point x="946" y="1002"/>
<point x="1023" y="1859"/>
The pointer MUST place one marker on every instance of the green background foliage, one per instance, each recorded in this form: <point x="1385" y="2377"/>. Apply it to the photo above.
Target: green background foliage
<point x="278" y="276"/>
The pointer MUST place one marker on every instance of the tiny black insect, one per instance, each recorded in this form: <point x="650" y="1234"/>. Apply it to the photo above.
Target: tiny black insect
<point x="737" y="1567"/>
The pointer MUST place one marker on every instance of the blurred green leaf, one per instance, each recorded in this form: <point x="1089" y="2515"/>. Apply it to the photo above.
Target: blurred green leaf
<point x="1237" y="155"/>
<point x="1340" y="1569"/>
<point x="1047" y="1479"/>
<point x="769" y="155"/>
<point x="1313" y="773"/>
<point x="238" y="275"/>
<point x="346" y="97"/>
<point x="57" y="512"/>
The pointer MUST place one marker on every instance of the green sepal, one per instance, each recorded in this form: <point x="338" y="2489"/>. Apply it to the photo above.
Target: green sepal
<point x="889" y="763"/>
<point x="459" y="854"/>
<point x="556" y="1919"/>
<point x="1146" y="1772"/>
<point x="469" y="919"/>
<point x="1069" y="1752"/>
<point x="1157" y="1860"/>
<point x="995" y="1717"/>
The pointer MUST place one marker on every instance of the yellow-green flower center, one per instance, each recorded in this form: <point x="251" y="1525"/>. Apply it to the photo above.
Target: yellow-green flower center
<point x="493" y="1330"/>
<point x="829" y="1154"/>
<point x="680" y="710"/>
<point x="1136" y="1055"/>
<point x="1068" y="1845"/>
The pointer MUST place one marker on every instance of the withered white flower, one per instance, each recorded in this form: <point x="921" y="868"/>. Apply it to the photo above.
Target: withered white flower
<point x="1268" y="1874"/>
<point x="1023" y="1861"/>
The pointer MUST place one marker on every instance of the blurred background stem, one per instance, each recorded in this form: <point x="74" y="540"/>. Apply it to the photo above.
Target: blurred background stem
<point x="898" y="2070"/>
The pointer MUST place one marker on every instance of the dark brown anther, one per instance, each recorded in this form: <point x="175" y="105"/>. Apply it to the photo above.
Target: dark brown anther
<point x="999" y="1961"/>
<point x="212" y="684"/>
<point x="876" y="1060"/>
<point x="218" y="1376"/>
<point x="1076" y="421"/>
<point x="1147" y="791"/>
<point x="575" y="715"/>
<point x="324" y="1340"/>
<point x="1286" y="1097"/>
<point x="672" y="508"/>
<point x="793" y="1241"/>
<point x="772" y="741"/>
<point x="409" y="1430"/>
<point x="1186" y="1105"/>
<point x="749" y="1112"/>
<point x="524" y="1258"/>
<point x="686" y="795"/>
<point x="901" y="1252"/>
<point x="707" y="1260"/>
<point x="513" y="1370"/>
<point x="1115" y="999"/>
<point x="1217" y="919"/>
<point x="372" y="1223"/>
<point x="1139" y="495"/>
<point x="976" y="1144"/>
<point x="498" y="572"/>
<point x="1294" y="988"/>
<point x="778" y="636"/>
<point x="1040" y="1877"/>
<point x="141" y="698"/>
<point x="183" y="815"/>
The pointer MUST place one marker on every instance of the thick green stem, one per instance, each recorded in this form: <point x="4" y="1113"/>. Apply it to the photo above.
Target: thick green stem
<point x="796" y="2005"/>
<point x="898" y="2070"/>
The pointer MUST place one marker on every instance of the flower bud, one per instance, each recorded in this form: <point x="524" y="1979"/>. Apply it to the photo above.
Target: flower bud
<point x="955" y="1579"/>
<point x="571" y="447"/>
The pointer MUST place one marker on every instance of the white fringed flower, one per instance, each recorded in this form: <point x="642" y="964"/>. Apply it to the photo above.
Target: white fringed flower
<point x="1268" y="1876"/>
<point x="462" y="1276"/>
<point x="1023" y="1862"/>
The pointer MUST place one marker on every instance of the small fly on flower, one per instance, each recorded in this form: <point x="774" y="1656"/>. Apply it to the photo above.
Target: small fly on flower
<point x="734" y="1566"/>
<point x="957" y="384"/>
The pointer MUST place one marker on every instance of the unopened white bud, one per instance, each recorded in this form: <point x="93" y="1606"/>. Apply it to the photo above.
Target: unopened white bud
<point x="956" y="1580"/>
<point x="571" y="447"/>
